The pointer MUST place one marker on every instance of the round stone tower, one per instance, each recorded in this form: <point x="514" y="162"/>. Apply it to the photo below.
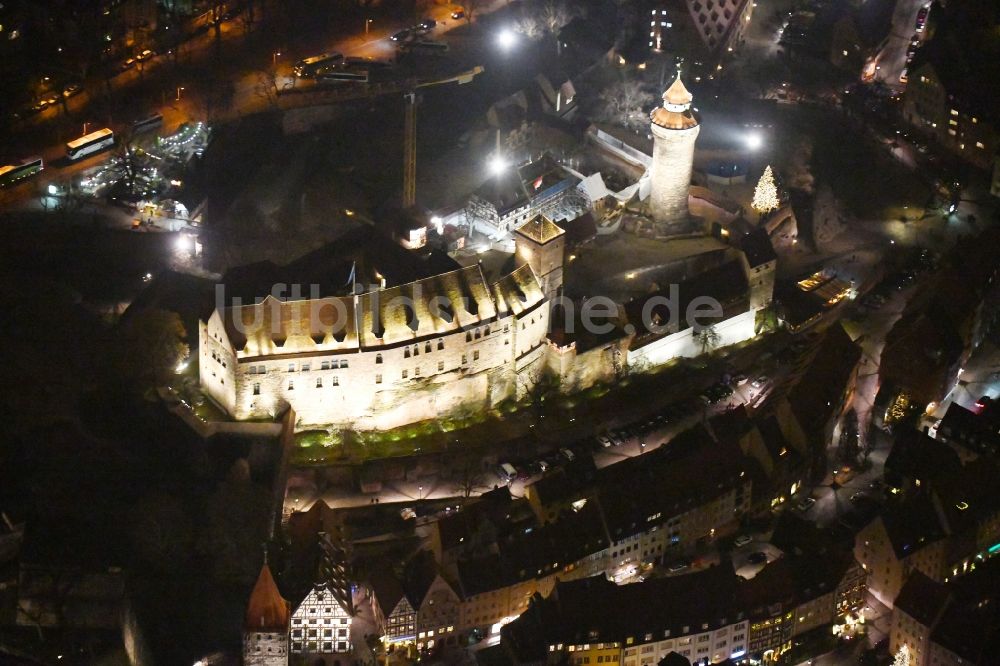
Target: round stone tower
<point x="675" y="129"/>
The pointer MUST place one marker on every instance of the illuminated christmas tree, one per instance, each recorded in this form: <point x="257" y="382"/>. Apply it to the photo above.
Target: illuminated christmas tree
<point x="765" y="197"/>
<point x="902" y="657"/>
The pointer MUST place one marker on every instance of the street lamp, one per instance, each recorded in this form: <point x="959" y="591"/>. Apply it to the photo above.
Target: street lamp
<point x="497" y="164"/>
<point x="506" y="39"/>
<point x="274" y="57"/>
<point x="84" y="129"/>
<point x="754" y="141"/>
<point x="180" y="89"/>
<point x="368" y="23"/>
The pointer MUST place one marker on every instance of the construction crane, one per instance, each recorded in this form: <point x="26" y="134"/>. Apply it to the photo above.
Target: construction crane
<point x="410" y="131"/>
<point x="297" y="98"/>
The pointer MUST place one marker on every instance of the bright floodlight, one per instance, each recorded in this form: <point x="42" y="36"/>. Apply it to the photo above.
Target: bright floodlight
<point x="754" y="141"/>
<point x="506" y="39"/>
<point x="183" y="243"/>
<point x="52" y="189"/>
<point x="497" y="165"/>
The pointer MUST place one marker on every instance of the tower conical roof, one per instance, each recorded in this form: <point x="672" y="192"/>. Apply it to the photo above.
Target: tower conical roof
<point x="677" y="94"/>
<point x="267" y="610"/>
<point x="676" y="110"/>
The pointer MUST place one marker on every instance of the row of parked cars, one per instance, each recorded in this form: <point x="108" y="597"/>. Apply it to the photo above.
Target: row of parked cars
<point x="669" y="414"/>
<point x="414" y="32"/>
<point x="509" y="472"/>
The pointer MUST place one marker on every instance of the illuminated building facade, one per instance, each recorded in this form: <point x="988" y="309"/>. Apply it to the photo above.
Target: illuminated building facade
<point x="321" y="625"/>
<point x="379" y="359"/>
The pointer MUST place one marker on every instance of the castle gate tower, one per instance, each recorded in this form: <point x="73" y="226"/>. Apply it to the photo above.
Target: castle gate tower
<point x="675" y="129"/>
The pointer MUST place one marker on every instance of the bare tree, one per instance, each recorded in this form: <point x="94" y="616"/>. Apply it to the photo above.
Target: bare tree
<point x="266" y="87"/>
<point x="469" y="476"/>
<point x="708" y="339"/>
<point x="625" y="102"/>
<point x="554" y="14"/>
<point x="469" y="7"/>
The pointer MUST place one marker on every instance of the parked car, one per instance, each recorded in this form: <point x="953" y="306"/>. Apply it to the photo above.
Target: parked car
<point x="604" y="440"/>
<point x="72" y="89"/>
<point x="922" y="18"/>
<point x="742" y="540"/>
<point x="569" y="455"/>
<point x="507" y="472"/>
<point x="759" y="381"/>
<point x="145" y="55"/>
<point x="426" y="24"/>
<point x="757" y="558"/>
<point x="677" y="565"/>
<point x="458" y="14"/>
<point x="402" y="35"/>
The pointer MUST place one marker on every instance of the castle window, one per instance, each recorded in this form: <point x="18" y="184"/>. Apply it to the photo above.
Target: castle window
<point x="256" y="389"/>
<point x="416" y="350"/>
<point x="378" y="379"/>
<point x="506" y="328"/>
<point x="406" y="352"/>
<point x="427" y="347"/>
<point x="319" y="382"/>
<point x="305" y="367"/>
<point x="465" y="359"/>
<point x="291" y="367"/>
<point x="325" y="365"/>
<point x="440" y="344"/>
<point x="261" y="370"/>
<point x="291" y="385"/>
<point x="406" y="373"/>
<point x="334" y="381"/>
<point x="416" y="371"/>
<point x="475" y="355"/>
<point x="479" y="334"/>
<point x="487" y="331"/>
<point x="468" y="336"/>
<point x="440" y="366"/>
<point x="378" y="358"/>
<point x="343" y="363"/>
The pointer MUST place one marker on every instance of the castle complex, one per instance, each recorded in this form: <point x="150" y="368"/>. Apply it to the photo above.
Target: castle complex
<point x="445" y="338"/>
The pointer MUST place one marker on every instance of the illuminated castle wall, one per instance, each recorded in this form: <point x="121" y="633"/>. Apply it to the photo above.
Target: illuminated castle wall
<point x="374" y="360"/>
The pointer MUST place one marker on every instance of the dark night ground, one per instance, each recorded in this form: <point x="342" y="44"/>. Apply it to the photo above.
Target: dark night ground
<point x="109" y="480"/>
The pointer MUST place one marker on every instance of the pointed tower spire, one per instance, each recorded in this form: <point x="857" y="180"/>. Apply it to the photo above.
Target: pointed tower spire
<point x="677" y="98"/>
<point x="267" y="610"/>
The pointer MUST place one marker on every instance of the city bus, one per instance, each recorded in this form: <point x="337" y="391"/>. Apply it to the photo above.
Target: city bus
<point x="89" y="144"/>
<point x="153" y="122"/>
<point x="312" y="66"/>
<point x="348" y="76"/>
<point x="12" y="173"/>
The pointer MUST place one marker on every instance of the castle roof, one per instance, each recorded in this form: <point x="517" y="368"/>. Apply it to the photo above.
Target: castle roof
<point x="433" y="306"/>
<point x="267" y="610"/>
<point x="676" y="110"/>
<point x="677" y="94"/>
<point x="540" y="229"/>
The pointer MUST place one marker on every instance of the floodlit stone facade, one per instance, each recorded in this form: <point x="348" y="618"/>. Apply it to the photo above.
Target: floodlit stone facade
<point x="379" y="359"/>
